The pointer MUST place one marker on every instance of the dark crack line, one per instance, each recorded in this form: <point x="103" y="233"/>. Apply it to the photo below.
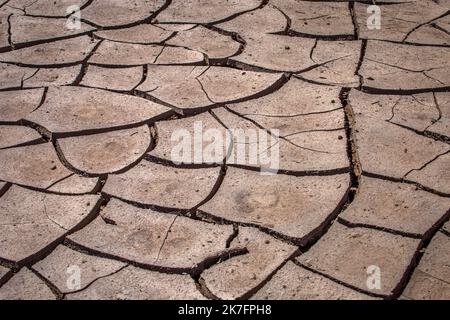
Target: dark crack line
<point x="53" y="288"/>
<point x="26" y="144"/>
<point x="311" y="53"/>
<point x="305" y="241"/>
<point x="402" y="92"/>
<point x="438" y="108"/>
<point x="24" y="45"/>
<point x="445" y="232"/>
<point x="396" y="232"/>
<point x="195" y="270"/>
<point x="351" y="8"/>
<point x="70" y="167"/>
<point x="284" y="138"/>
<point x="426" y="164"/>
<point x="4" y="3"/>
<point x="233" y="236"/>
<point x="360" y="63"/>
<point x="169" y="230"/>
<point x="169" y="163"/>
<point x="50" y="247"/>
<point x="349" y="286"/>
<point x="415" y="261"/>
<point x="41" y="190"/>
<point x="60" y="180"/>
<point x="399" y="180"/>
<point x="261" y="284"/>
<point x="233" y="16"/>
<point x="10" y="42"/>
<point x="393" y="109"/>
<point x="65" y="294"/>
<point x="5" y="188"/>
<point x="426" y="134"/>
<point x="143" y="79"/>
<point x="292" y="115"/>
<point x="423" y="24"/>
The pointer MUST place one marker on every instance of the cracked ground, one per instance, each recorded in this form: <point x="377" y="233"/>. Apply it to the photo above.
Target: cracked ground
<point x="361" y="118"/>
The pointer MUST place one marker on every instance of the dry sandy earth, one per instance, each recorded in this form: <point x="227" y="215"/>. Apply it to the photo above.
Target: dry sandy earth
<point x="93" y="206"/>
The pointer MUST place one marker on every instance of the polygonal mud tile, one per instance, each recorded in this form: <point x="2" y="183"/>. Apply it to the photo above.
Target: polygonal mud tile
<point x="417" y="111"/>
<point x="277" y="52"/>
<point x="295" y="207"/>
<point x="125" y="54"/>
<point x="288" y="145"/>
<point x="204" y="11"/>
<point x="161" y="240"/>
<point x="238" y="276"/>
<point x="25" y="285"/>
<point x="395" y="206"/>
<point x="316" y="150"/>
<point x="294" y="282"/>
<point x="16" y="135"/>
<point x="322" y="61"/>
<point x="350" y="254"/>
<point x="194" y="140"/>
<point x="123" y="79"/>
<point x="390" y="150"/>
<point x="33" y="221"/>
<point x="35" y="166"/>
<point x="50" y="77"/>
<point x="435" y="175"/>
<point x="29" y="29"/>
<point x="62" y="263"/>
<point x="12" y="76"/>
<point x="436" y="260"/>
<point x="137" y="284"/>
<point x="49" y="8"/>
<point x="177" y="85"/>
<point x="397" y="20"/>
<point x="196" y="87"/>
<point x="337" y="63"/>
<point x="251" y="145"/>
<point x="293" y="121"/>
<point x="429" y="34"/>
<point x="164" y="186"/>
<point x="120" y="12"/>
<point x="106" y="152"/>
<point x="140" y="34"/>
<point x="75" y="184"/>
<point x="15" y="105"/>
<point x="265" y="20"/>
<point x="213" y="44"/>
<point x="422" y="286"/>
<point x="444" y="22"/>
<point x="316" y="18"/>
<point x="175" y="27"/>
<point x="130" y="54"/>
<point x="442" y="126"/>
<point x="61" y="52"/>
<point x="74" y="109"/>
<point x="430" y="279"/>
<point x="238" y="84"/>
<point x="289" y="107"/>
<point x="178" y="55"/>
<point x="391" y="67"/>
